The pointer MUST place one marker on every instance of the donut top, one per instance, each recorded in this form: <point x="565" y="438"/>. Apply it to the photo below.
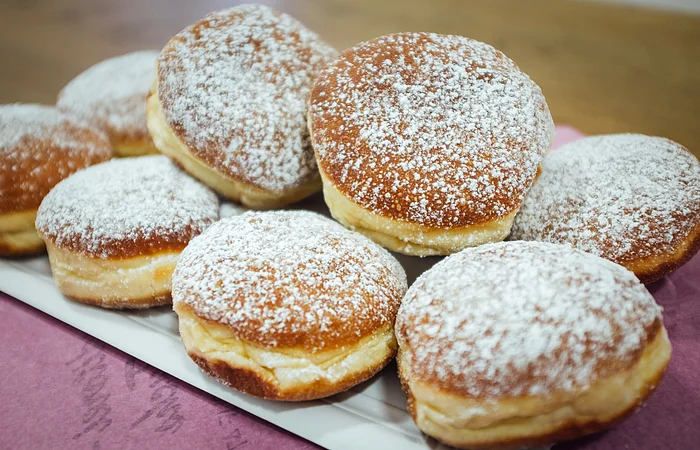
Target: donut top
<point x="234" y="88"/>
<point x="289" y="279"/>
<point x="524" y="318"/>
<point x="39" y="146"/>
<point x="126" y="207"/>
<point x="112" y="95"/>
<point x="622" y="197"/>
<point x="442" y="131"/>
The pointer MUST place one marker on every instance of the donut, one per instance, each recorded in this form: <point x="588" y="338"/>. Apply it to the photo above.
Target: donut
<point x="39" y="146"/>
<point x="112" y="95"/>
<point x="287" y="305"/>
<point x="114" y="231"/>
<point x="516" y="344"/>
<point x="427" y="143"/>
<point x="629" y="198"/>
<point x="229" y="104"/>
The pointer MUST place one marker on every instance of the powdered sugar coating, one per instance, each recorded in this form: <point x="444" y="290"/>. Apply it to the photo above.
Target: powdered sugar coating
<point x="524" y="318"/>
<point x="127" y="207"/>
<point x="288" y="279"/>
<point x="40" y="146"/>
<point x="234" y="88"/>
<point x="622" y="197"/>
<point x="112" y="95"/>
<point x="443" y="131"/>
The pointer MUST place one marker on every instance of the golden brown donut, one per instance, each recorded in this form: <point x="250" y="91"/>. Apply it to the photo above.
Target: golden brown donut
<point x="112" y="95"/>
<point x="629" y="198"/>
<point x="39" y="146"/>
<point x="518" y="344"/>
<point x="229" y="104"/>
<point x="427" y="143"/>
<point x="287" y="305"/>
<point x="114" y="231"/>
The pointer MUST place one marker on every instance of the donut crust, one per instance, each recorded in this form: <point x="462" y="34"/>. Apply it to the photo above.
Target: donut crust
<point x="232" y="94"/>
<point x="287" y="305"/>
<point x="553" y="418"/>
<point x="630" y="198"/>
<point x="218" y="352"/>
<point x="50" y="146"/>
<point x="55" y="229"/>
<point x="656" y="267"/>
<point x="168" y="143"/>
<point x="111" y="95"/>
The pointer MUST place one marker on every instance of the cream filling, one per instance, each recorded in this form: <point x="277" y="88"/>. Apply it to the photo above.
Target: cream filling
<point x="287" y="368"/>
<point x="409" y="238"/>
<point x="253" y="197"/>
<point x="458" y="420"/>
<point x="17" y="232"/>
<point x="119" y="281"/>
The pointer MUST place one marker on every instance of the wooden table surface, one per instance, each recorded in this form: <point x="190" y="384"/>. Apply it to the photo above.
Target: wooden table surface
<point x="603" y="68"/>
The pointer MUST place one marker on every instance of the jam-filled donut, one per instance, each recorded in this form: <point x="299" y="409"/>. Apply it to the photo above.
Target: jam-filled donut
<point x="114" y="231"/>
<point x="39" y="146"/>
<point x="629" y="198"/>
<point x="229" y="104"/>
<point x="112" y="95"/>
<point x="287" y="305"/>
<point x="427" y="143"/>
<point x="516" y="344"/>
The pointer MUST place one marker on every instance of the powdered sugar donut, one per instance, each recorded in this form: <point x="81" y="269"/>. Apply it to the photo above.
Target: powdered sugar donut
<point x="629" y="198"/>
<point x="115" y="231"/>
<point x="427" y="143"/>
<point x="229" y="104"/>
<point x="527" y="343"/>
<point x="287" y="305"/>
<point x="112" y="96"/>
<point x="39" y="146"/>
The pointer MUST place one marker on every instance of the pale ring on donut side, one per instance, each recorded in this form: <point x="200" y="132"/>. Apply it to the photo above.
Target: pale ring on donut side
<point x="134" y="148"/>
<point x="539" y="420"/>
<point x="137" y="282"/>
<point x="289" y="374"/>
<point x="253" y="197"/>
<point x="411" y="238"/>
<point x="18" y="235"/>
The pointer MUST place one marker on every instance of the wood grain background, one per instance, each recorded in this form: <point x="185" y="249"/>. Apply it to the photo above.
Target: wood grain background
<point x="603" y="68"/>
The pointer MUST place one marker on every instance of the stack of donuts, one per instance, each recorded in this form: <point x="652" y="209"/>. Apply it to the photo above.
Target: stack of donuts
<point x="536" y="329"/>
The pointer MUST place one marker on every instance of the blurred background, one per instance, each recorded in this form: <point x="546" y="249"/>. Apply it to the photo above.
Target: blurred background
<point x="604" y="66"/>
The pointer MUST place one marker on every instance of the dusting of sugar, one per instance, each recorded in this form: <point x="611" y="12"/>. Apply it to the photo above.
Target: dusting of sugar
<point x="523" y="318"/>
<point x="39" y="146"/>
<point x="234" y="87"/>
<point x="19" y="122"/>
<point x="229" y="209"/>
<point x="289" y="278"/>
<point x="622" y="197"/>
<point x="125" y="202"/>
<point x="439" y="130"/>
<point x="112" y="94"/>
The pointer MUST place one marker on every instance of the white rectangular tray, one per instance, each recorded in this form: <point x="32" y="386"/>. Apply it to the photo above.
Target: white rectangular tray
<point x="370" y="416"/>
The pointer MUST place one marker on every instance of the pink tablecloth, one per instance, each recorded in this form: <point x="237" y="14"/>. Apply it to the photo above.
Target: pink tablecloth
<point x="61" y="389"/>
